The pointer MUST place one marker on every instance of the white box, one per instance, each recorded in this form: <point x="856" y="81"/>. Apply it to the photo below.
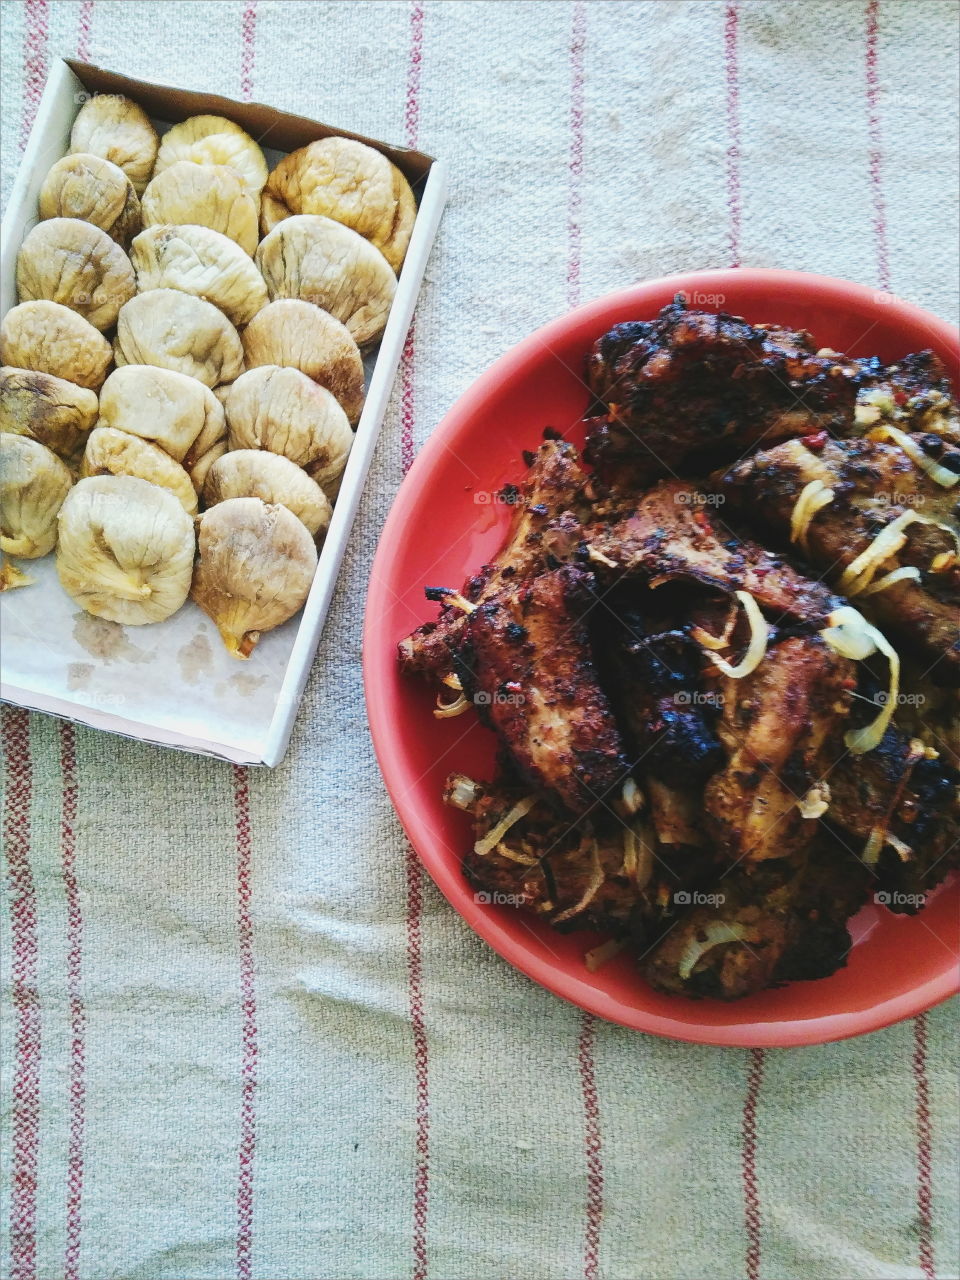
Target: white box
<point x="173" y="682"/>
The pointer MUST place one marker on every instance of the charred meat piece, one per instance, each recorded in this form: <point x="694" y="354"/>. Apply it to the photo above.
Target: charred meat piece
<point x="692" y="384"/>
<point x="528" y="667"/>
<point x="545" y="530"/>
<point x="669" y="536"/>
<point x="781" y="921"/>
<point x="778" y="725"/>
<point x="899" y="810"/>
<point x="913" y="394"/>
<point x="873" y="484"/>
<point x="565" y="873"/>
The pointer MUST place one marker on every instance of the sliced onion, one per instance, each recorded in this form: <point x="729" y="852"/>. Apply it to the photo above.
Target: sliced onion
<point x="896" y="575"/>
<point x="717" y="932"/>
<point x="759" y="635"/>
<point x="451" y="680"/>
<point x="637" y="858"/>
<point x="496" y="834"/>
<point x="860" y="572"/>
<point x="506" y="852"/>
<point x="852" y="636"/>
<point x="813" y="498"/>
<point x="446" y="710"/>
<point x="938" y="474"/>
<point x="596" y="880"/>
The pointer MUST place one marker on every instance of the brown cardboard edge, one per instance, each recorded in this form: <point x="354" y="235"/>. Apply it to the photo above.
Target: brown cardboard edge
<point x="268" y="125"/>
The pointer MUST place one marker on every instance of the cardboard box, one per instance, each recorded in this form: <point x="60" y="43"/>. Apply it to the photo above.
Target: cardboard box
<point x="173" y="682"/>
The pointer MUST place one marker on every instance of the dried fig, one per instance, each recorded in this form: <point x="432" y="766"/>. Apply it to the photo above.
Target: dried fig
<point x="255" y="473"/>
<point x="202" y="262"/>
<point x="76" y="264"/>
<point x="204" y="195"/>
<point x="94" y="190"/>
<point x="256" y="565"/>
<point x="110" y="452"/>
<point x="169" y="408"/>
<point x="126" y="549"/>
<point x="33" y="485"/>
<point x="116" y="128"/>
<point x="214" y="140"/>
<point x="324" y="262"/>
<point x="349" y="182"/>
<point x="175" y="330"/>
<point x="57" y="413"/>
<point x="49" y="338"/>
<point x="298" y="335"/>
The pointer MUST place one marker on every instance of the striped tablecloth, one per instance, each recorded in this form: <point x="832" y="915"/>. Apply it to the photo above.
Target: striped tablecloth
<point x="243" y="1035"/>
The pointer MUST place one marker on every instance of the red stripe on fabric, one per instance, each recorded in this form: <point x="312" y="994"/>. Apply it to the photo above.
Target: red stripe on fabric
<point x="591" y="1114"/>
<point x="78" y="1018"/>
<point x="25" y="997"/>
<point x="421" y="1185"/>
<point x="575" y="166"/>
<point x="924" y="1142"/>
<point x="249" y="1041"/>
<point x="751" y="1195"/>
<point x="248" y="49"/>
<point x="37" y="29"/>
<point x="732" y="65"/>
<point x="876" y="148"/>
<point x="588" y="1028"/>
<point x="84" y="27"/>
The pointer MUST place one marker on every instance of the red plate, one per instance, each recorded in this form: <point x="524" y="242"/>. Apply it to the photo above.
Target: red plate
<point x="445" y="523"/>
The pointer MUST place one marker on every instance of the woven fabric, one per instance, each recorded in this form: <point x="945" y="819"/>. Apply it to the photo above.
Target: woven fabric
<point x="243" y="1035"/>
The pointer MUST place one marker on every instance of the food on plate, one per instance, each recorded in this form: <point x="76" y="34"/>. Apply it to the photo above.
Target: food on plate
<point x="321" y="261"/>
<point x="870" y="516"/>
<point x="349" y="182"/>
<point x="33" y="485"/>
<point x="162" y="405"/>
<point x="722" y="699"/>
<point x="51" y="410"/>
<point x="201" y="262"/>
<point x="214" y="140"/>
<point x="119" y="130"/>
<point x="75" y="263"/>
<point x="94" y="190"/>
<point x="175" y="330"/>
<point x="284" y="411"/>
<point x="110" y="452"/>
<point x="46" y="337"/>
<point x="256" y="565"/>
<point x="298" y="335"/>
<point x="125" y="550"/>
<point x="204" y="195"/>
<point x="255" y="473"/>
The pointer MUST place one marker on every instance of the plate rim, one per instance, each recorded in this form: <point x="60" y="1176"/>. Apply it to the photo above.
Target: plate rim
<point x="484" y="922"/>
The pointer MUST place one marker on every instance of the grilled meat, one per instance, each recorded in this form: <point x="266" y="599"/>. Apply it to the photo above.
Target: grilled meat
<point x="669" y="535"/>
<point x="528" y="667"/>
<point x="545" y="530"/>
<point x="899" y="809"/>
<point x="778" y="726"/>
<point x="780" y="921"/>
<point x="691" y="385"/>
<point x="553" y="868"/>
<point x="914" y="394"/>
<point x="873" y="484"/>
